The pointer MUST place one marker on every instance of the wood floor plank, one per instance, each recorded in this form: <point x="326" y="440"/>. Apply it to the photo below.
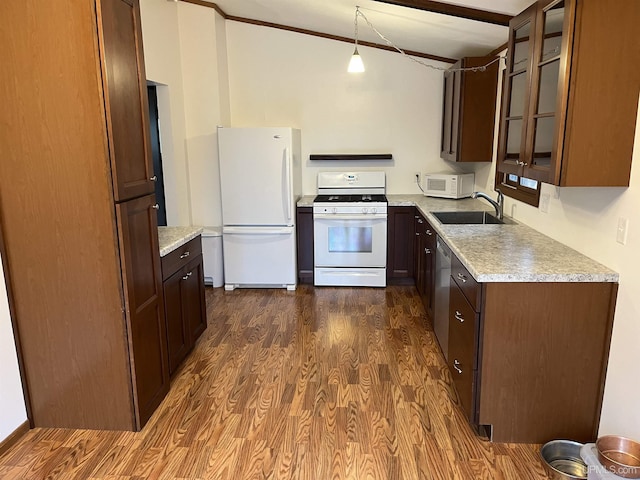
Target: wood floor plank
<point x="326" y="383"/>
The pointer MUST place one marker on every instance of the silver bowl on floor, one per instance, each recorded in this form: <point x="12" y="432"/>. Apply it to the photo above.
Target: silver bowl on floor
<point x="563" y="461"/>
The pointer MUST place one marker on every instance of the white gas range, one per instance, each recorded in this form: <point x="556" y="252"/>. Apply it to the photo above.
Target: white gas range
<point x="350" y="229"/>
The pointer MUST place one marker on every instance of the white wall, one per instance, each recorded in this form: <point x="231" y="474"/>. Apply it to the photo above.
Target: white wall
<point x="161" y="38"/>
<point x="206" y="86"/>
<point x="586" y="219"/>
<point x="12" y="403"/>
<point x="280" y="78"/>
<point x="185" y="55"/>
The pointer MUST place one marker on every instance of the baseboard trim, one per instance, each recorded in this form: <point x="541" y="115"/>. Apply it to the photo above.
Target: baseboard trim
<point x="14" y="437"/>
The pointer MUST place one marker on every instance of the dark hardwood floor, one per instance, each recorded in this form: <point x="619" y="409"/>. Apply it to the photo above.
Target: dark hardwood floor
<point x="326" y="383"/>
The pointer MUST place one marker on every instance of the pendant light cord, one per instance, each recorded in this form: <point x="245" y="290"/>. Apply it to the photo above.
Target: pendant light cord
<point x="481" y="68"/>
<point x="355" y="22"/>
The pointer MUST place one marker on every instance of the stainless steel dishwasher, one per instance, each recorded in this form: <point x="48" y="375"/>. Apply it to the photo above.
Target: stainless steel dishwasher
<point x="441" y="308"/>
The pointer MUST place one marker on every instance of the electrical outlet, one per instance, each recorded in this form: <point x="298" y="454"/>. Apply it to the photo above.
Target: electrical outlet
<point x="417" y="176"/>
<point x="623" y="228"/>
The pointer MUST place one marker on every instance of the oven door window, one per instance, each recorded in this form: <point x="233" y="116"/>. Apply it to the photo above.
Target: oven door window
<point x="350" y="242"/>
<point x="344" y="239"/>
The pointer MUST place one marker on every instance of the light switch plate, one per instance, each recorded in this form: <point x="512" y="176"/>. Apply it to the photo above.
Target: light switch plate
<point x="623" y="228"/>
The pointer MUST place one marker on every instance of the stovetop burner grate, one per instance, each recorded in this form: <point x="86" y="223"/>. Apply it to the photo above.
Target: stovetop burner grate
<point x="351" y="198"/>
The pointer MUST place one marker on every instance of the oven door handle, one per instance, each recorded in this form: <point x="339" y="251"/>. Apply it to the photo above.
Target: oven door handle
<point x="363" y="217"/>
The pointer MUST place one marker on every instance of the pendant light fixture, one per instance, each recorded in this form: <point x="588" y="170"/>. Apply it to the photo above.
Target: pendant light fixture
<point x="355" y="64"/>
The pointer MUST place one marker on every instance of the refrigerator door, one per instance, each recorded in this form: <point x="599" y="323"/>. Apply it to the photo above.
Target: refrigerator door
<point x="256" y="176"/>
<point x="259" y="257"/>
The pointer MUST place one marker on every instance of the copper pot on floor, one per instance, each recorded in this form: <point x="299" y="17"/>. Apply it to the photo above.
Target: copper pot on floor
<point x="619" y="455"/>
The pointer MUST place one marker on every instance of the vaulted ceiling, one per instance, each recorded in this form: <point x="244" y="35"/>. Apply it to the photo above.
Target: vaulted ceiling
<point x="468" y="28"/>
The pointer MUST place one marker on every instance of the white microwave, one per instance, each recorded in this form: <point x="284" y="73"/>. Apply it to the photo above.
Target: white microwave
<point x="448" y="185"/>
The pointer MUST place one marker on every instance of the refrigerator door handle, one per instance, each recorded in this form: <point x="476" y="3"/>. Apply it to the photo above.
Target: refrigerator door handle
<point x="287" y="189"/>
<point x="257" y="230"/>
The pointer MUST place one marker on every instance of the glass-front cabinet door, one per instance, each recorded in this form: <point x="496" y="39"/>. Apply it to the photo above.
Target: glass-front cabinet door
<point x="548" y="99"/>
<point x="536" y="91"/>
<point x="517" y="81"/>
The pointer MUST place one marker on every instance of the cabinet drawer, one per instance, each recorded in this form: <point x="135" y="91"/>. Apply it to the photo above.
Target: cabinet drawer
<point x="174" y="261"/>
<point x="470" y="288"/>
<point x="463" y="357"/>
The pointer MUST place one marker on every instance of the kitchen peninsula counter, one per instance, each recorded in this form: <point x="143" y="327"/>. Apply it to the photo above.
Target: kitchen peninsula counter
<point x="502" y="253"/>
<point x="170" y="238"/>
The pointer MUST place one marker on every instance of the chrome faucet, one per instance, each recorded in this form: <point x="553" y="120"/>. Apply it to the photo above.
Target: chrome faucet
<point x="498" y="205"/>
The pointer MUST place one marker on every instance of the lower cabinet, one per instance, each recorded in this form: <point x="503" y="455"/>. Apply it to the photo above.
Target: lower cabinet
<point x="528" y="360"/>
<point x="400" y="233"/>
<point x="184" y="301"/>
<point x="143" y="300"/>
<point x="304" y="231"/>
<point x="424" y="254"/>
<point x="463" y="352"/>
<point x="411" y="253"/>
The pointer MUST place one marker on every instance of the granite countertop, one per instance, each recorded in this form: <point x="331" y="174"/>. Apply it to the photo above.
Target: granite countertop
<point x="171" y="238"/>
<point x="502" y="253"/>
<point x="306" y="201"/>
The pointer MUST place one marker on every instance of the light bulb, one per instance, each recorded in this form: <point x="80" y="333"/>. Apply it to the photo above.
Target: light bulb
<point x="355" y="64"/>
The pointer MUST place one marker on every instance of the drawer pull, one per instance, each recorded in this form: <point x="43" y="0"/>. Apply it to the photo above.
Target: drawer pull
<point x="456" y="366"/>
<point x="186" y="277"/>
<point x="417" y="234"/>
<point x="420" y="220"/>
<point x="156" y="207"/>
<point x="429" y="232"/>
<point x="462" y="277"/>
<point x="427" y="251"/>
<point x="459" y="316"/>
<point x="185" y="254"/>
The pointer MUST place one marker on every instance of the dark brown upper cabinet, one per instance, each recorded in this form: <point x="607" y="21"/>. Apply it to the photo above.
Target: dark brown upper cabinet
<point x="469" y="110"/>
<point x="126" y="103"/>
<point x="570" y="94"/>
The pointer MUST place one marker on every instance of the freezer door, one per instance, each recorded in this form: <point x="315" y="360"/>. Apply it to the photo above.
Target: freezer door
<point x="256" y="176"/>
<point x="259" y="256"/>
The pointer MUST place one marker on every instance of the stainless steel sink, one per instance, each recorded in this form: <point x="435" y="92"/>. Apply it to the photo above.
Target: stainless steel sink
<point x="468" y="218"/>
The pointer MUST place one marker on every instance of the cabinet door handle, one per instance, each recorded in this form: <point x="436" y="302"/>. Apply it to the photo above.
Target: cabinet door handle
<point x="156" y="207"/>
<point x="462" y="277"/>
<point x="154" y="178"/>
<point x="420" y="220"/>
<point x="458" y="316"/>
<point x="429" y="232"/>
<point x="185" y="254"/>
<point x="522" y="164"/>
<point x="417" y="234"/>
<point x="456" y="366"/>
<point x="416" y="217"/>
<point x="186" y="277"/>
<point x="427" y="251"/>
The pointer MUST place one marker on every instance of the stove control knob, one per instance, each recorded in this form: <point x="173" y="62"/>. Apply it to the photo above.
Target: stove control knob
<point x="334" y="210"/>
<point x="374" y="210"/>
<point x="365" y="210"/>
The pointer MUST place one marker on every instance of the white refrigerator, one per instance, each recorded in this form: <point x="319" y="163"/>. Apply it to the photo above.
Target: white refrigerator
<point x="261" y="181"/>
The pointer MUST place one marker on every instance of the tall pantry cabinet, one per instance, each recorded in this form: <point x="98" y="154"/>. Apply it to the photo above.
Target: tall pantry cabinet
<point x="77" y="209"/>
